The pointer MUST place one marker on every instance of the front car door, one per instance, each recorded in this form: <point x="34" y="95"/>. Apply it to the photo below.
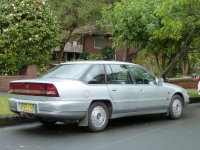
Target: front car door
<point x="122" y="90"/>
<point x="152" y="97"/>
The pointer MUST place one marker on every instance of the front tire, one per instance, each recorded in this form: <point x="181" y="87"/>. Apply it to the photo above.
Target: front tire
<point x="176" y="107"/>
<point x="97" y="117"/>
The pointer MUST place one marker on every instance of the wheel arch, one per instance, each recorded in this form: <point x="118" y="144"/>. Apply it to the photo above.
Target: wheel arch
<point x="108" y="104"/>
<point x="181" y="95"/>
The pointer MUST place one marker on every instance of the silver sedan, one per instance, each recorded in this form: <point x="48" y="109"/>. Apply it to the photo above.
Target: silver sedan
<point x="92" y="92"/>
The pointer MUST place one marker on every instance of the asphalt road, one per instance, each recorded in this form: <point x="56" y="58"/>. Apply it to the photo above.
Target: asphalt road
<point x="151" y="132"/>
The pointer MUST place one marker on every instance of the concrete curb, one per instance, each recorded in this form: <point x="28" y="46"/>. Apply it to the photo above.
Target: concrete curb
<point x="15" y="119"/>
<point x="194" y="100"/>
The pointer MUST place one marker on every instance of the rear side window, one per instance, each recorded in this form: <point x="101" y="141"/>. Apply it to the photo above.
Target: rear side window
<point x="120" y="75"/>
<point x="95" y="76"/>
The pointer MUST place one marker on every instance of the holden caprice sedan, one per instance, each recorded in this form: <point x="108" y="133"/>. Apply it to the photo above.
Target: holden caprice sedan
<point x="92" y="92"/>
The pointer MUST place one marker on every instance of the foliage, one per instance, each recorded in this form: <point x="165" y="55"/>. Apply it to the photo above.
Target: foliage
<point x="93" y="56"/>
<point x="167" y="29"/>
<point x="84" y="55"/>
<point x="72" y="60"/>
<point x="74" y="14"/>
<point x="107" y="52"/>
<point x="42" y="69"/>
<point x="90" y="56"/>
<point x="147" y="60"/>
<point x="194" y="59"/>
<point x="193" y="94"/>
<point x="28" y="32"/>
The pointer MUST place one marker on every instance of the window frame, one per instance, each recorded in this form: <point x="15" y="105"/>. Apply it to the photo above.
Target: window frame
<point x="97" y="47"/>
<point x="114" y="76"/>
<point x="139" y="67"/>
<point x="88" y="72"/>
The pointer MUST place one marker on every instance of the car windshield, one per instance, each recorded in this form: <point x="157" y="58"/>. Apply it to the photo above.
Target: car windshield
<point x="68" y="71"/>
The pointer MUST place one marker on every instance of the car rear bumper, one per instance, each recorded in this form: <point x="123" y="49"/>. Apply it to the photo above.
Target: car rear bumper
<point x="58" y="110"/>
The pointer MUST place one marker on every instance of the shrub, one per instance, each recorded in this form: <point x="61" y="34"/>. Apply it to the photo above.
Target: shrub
<point x="28" y="32"/>
<point x="84" y="55"/>
<point x="108" y="52"/>
<point x="93" y="56"/>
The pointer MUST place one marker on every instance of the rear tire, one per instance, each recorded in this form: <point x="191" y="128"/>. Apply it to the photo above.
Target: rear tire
<point x="176" y="107"/>
<point x="97" y="117"/>
<point x="46" y="122"/>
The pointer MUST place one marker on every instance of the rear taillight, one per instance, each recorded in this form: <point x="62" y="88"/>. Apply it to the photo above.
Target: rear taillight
<point x="34" y="89"/>
<point x="199" y="78"/>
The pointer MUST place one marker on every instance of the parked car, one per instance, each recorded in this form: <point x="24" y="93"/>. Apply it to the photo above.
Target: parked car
<point x="92" y="92"/>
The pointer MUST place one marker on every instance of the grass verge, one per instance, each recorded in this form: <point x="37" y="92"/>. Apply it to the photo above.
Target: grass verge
<point x="193" y="94"/>
<point x="4" y="109"/>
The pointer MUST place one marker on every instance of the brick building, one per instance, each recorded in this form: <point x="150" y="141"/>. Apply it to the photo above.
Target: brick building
<point x="91" y="40"/>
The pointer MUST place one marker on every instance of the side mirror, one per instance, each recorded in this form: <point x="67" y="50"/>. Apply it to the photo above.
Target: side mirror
<point x="159" y="81"/>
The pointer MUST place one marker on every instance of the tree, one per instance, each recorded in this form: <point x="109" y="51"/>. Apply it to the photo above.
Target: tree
<point x="167" y="29"/>
<point x="28" y="32"/>
<point x="74" y="14"/>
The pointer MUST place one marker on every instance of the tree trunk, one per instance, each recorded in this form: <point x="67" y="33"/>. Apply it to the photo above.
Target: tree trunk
<point x="184" y="67"/>
<point x="178" y="58"/>
<point x="64" y="41"/>
<point x="60" y="54"/>
<point x="126" y="52"/>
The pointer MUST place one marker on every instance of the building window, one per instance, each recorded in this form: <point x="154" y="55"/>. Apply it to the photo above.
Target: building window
<point x="97" y="42"/>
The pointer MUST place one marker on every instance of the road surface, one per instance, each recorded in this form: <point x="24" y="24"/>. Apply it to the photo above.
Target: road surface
<point x="151" y="132"/>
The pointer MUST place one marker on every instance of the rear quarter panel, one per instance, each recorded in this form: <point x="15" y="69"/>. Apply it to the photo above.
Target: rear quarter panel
<point x="82" y="94"/>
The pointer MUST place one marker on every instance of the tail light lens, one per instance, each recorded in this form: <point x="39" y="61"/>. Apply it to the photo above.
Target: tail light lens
<point x="34" y="89"/>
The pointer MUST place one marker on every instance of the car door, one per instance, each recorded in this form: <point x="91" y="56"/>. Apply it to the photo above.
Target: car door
<point x="151" y="96"/>
<point x="122" y="90"/>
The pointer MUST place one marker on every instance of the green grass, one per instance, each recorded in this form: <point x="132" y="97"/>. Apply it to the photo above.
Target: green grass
<point x="4" y="109"/>
<point x="193" y="94"/>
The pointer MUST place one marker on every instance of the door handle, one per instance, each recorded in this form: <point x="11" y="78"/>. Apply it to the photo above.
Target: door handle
<point x="114" y="90"/>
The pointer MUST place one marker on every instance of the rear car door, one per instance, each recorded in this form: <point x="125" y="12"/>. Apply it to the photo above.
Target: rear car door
<point x="122" y="90"/>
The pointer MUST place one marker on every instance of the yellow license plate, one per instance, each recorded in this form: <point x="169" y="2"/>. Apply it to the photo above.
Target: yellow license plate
<point x="27" y="107"/>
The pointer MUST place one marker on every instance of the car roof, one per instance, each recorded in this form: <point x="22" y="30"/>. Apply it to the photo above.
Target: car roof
<point x="99" y="62"/>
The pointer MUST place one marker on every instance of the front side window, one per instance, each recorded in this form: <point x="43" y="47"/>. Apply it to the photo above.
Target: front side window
<point x="142" y="76"/>
<point x="120" y="73"/>
<point x="68" y="71"/>
<point x="97" y="42"/>
<point x="95" y="76"/>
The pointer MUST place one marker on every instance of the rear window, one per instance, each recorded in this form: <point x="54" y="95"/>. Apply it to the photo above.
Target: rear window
<point x="70" y="71"/>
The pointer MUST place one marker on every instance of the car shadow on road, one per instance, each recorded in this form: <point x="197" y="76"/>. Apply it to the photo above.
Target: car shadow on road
<point x="115" y="125"/>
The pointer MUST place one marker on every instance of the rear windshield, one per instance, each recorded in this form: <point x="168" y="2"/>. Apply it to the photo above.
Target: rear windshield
<point x="68" y="71"/>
